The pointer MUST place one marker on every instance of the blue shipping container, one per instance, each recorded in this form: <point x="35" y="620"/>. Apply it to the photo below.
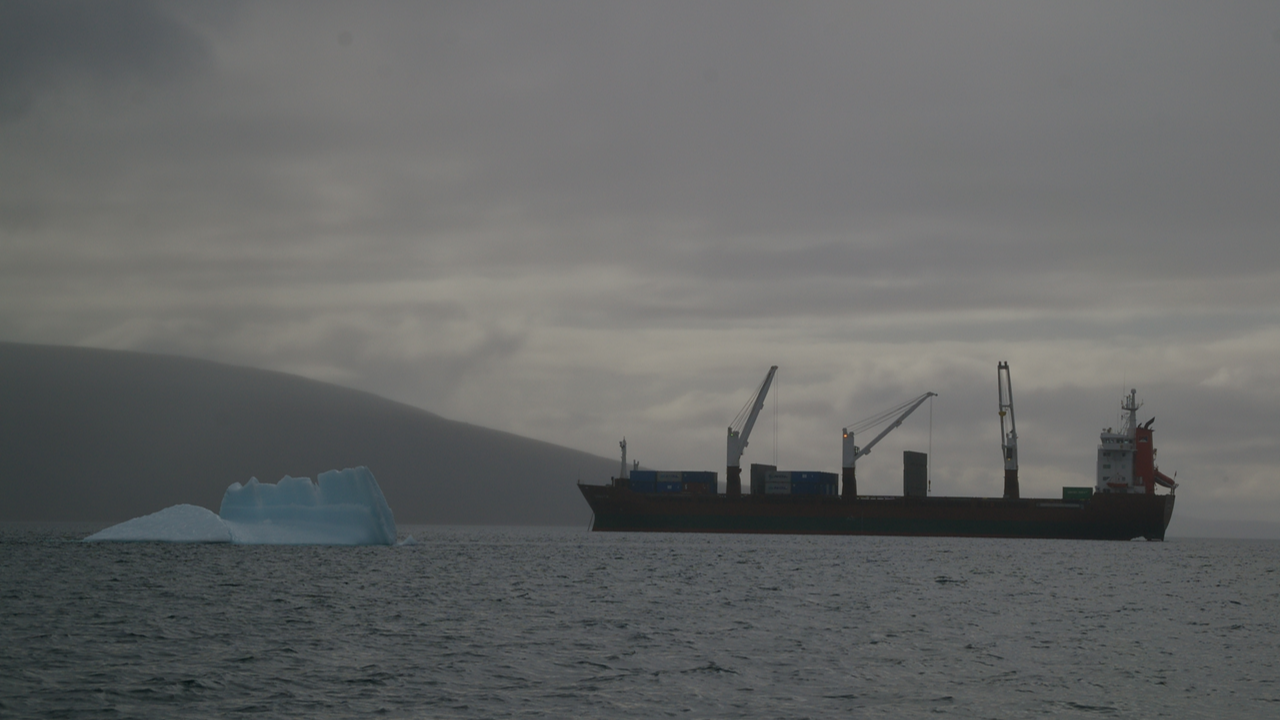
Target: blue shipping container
<point x="670" y="487"/>
<point x="644" y="475"/>
<point x="812" y="488"/>
<point x="642" y="486"/>
<point x="813" y="477"/>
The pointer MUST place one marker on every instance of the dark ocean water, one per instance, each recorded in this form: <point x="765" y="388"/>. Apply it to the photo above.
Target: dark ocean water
<point x="559" y="623"/>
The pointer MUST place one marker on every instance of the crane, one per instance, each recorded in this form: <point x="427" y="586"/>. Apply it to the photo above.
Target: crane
<point x="739" y="431"/>
<point x="1009" y="438"/>
<point x="852" y="452"/>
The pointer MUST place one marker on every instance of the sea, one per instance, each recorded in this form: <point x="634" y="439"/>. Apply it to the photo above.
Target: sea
<point x="500" y="622"/>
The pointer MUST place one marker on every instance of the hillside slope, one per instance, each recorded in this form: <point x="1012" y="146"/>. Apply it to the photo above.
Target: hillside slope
<point x="104" y="435"/>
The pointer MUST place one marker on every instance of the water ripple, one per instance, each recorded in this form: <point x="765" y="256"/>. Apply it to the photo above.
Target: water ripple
<point x="522" y="622"/>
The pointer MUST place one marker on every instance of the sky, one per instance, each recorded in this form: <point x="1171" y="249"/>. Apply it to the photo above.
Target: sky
<point x="583" y="221"/>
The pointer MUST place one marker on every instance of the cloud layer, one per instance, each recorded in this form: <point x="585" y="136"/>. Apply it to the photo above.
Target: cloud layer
<point x="578" y="221"/>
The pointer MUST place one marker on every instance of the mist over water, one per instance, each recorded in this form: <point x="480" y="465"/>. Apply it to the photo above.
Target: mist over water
<point x="559" y="622"/>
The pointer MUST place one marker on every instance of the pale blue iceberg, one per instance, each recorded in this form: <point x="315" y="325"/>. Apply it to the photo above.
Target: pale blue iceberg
<point x="344" y="508"/>
<point x="180" y="523"/>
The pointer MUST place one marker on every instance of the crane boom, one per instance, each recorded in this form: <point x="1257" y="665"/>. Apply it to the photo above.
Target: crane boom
<point x="853" y="452"/>
<point x="737" y="440"/>
<point x="1009" y="437"/>
<point x="738" y="437"/>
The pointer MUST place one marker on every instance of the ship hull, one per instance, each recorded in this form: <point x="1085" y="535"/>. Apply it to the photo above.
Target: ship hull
<point x="1102" y="517"/>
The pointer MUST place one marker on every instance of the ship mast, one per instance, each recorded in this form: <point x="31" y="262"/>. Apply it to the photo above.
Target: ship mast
<point x="1130" y="406"/>
<point x="1009" y="436"/>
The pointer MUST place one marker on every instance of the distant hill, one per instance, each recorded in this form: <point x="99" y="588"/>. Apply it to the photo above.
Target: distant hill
<point x="104" y="435"/>
<point x="1193" y="527"/>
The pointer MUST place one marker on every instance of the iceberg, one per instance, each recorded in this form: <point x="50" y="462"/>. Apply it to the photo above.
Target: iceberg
<point x="346" y="507"/>
<point x="179" y="524"/>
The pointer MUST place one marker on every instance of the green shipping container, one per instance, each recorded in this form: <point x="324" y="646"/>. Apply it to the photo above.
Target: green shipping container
<point x="1077" y="493"/>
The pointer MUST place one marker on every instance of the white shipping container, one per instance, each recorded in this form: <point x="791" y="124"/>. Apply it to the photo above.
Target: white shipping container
<point x="779" y="476"/>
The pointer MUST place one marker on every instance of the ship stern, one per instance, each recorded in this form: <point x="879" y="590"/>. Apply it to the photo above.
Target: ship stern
<point x="1166" y="514"/>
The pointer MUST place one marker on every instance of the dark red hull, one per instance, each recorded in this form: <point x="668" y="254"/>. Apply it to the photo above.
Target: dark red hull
<point x="1102" y="517"/>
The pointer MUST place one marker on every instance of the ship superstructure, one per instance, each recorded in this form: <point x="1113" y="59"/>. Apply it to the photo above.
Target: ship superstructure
<point x="1127" y="458"/>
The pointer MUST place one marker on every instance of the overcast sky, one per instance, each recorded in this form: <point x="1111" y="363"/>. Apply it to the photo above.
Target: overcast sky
<point x="584" y="221"/>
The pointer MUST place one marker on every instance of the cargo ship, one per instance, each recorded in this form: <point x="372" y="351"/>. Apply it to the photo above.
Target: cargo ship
<point x="1122" y="504"/>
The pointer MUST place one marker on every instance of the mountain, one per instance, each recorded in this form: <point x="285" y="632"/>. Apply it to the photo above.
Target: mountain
<point x="106" y="435"/>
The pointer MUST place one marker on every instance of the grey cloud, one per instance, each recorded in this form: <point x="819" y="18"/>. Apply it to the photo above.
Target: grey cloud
<point x="387" y="348"/>
<point x="414" y="198"/>
<point x="1009" y="131"/>
<point x="45" y="45"/>
<point x="724" y="114"/>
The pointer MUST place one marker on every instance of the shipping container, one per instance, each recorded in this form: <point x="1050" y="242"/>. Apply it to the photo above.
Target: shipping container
<point x="813" y="477"/>
<point x="641" y="486"/>
<point x="915" y="474"/>
<point x="796" y="482"/>
<point x="777" y="487"/>
<point x="758" y="473"/>
<point x="644" y="475"/>
<point x="1077" y="493"/>
<point x="669" y="487"/>
<point x="812" y="488"/>
<point x="699" y="488"/>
